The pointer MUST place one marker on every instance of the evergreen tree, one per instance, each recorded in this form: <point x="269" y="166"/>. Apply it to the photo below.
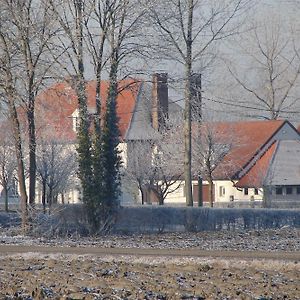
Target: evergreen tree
<point x="95" y="203"/>
<point x="85" y="172"/>
<point x="111" y="161"/>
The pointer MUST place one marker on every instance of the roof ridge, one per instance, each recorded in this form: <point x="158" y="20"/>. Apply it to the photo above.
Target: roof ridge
<point x="255" y="165"/>
<point x="271" y="160"/>
<point x="260" y="148"/>
<point x="134" y="108"/>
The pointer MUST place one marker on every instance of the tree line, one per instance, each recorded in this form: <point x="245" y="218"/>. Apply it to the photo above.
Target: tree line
<point x="42" y="42"/>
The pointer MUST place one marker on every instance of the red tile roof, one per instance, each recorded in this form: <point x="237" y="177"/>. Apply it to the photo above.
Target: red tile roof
<point x="247" y="139"/>
<point x="54" y="106"/>
<point x="256" y="175"/>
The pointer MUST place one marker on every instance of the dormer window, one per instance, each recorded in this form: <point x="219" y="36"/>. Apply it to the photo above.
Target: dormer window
<point x="76" y="124"/>
<point x="76" y="119"/>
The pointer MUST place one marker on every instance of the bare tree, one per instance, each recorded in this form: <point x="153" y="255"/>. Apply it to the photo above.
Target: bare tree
<point x="211" y="143"/>
<point x="167" y="177"/>
<point x="103" y="32"/>
<point x="9" y="95"/>
<point x="8" y="163"/>
<point x="31" y="25"/>
<point x="155" y="164"/>
<point x="56" y="167"/>
<point x="187" y="30"/>
<point x="97" y="24"/>
<point x="71" y="17"/>
<point x="271" y="78"/>
<point x="139" y="169"/>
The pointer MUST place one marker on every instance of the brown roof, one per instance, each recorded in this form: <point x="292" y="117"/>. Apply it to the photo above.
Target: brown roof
<point x="54" y="106"/>
<point x="247" y="137"/>
<point x="257" y="174"/>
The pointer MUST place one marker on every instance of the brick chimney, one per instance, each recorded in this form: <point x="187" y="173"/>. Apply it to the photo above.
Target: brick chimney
<point x="160" y="103"/>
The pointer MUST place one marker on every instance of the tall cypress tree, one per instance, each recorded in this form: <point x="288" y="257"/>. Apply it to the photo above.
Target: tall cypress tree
<point x="96" y="199"/>
<point x="85" y="172"/>
<point x="111" y="160"/>
<point x="106" y="161"/>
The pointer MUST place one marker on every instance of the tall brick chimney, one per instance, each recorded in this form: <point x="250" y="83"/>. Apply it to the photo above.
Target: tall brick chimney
<point x="160" y="104"/>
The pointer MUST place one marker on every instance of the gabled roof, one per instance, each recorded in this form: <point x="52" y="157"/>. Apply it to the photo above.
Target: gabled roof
<point x="256" y="176"/>
<point x="248" y="138"/>
<point x="54" y="106"/>
<point x="285" y="165"/>
<point x="280" y="165"/>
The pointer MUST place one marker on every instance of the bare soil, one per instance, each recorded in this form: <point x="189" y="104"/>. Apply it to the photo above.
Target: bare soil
<point x="34" y="275"/>
<point x="248" y="265"/>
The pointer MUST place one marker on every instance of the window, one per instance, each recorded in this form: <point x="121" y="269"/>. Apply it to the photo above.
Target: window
<point x="13" y="188"/>
<point x="246" y="192"/>
<point x="221" y="191"/>
<point x="255" y="191"/>
<point x="289" y="190"/>
<point x="75" y="124"/>
<point x="298" y="190"/>
<point x="278" y="191"/>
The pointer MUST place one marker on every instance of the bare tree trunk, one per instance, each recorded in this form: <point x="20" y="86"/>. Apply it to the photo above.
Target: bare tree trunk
<point x="160" y="199"/>
<point x="62" y="198"/>
<point x="210" y="192"/>
<point x="142" y="189"/>
<point x="159" y="195"/>
<point x="5" y="191"/>
<point x="20" y="162"/>
<point x="187" y="109"/>
<point x="200" y="191"/>
<point x="143" y="196"/>
<point x="50" y="198"/>
<point x="32" y="152"/>
<point x="44" y="196"/>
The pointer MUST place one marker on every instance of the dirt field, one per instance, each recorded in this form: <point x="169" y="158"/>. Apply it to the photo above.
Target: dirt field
<point x="248" y="265"/>
<point x="74" y="276"/>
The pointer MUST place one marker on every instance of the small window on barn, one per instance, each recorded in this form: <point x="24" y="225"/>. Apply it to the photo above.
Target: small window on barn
<point x="289" y="190"/>
<point x="298" y="190"/>
<point x="246" y="191"/>
<point x="221" y="191"/>
<point x="255" y="191"/>
<point x="278" y="191"/>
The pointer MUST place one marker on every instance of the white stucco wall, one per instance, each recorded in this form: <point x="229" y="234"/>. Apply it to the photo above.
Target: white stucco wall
<point x="177" y="197"/>
<point x="230" y="190"/>
<point x="122" y="147"/>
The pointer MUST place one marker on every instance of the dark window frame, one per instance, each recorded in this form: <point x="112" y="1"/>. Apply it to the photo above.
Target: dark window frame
<point x="222" y="191"/>
<point x="279" y="190"/>
<point x="289" y="190"/>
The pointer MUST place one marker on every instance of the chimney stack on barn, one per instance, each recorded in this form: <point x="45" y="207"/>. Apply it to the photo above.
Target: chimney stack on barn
<point x="160" y="103"/>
